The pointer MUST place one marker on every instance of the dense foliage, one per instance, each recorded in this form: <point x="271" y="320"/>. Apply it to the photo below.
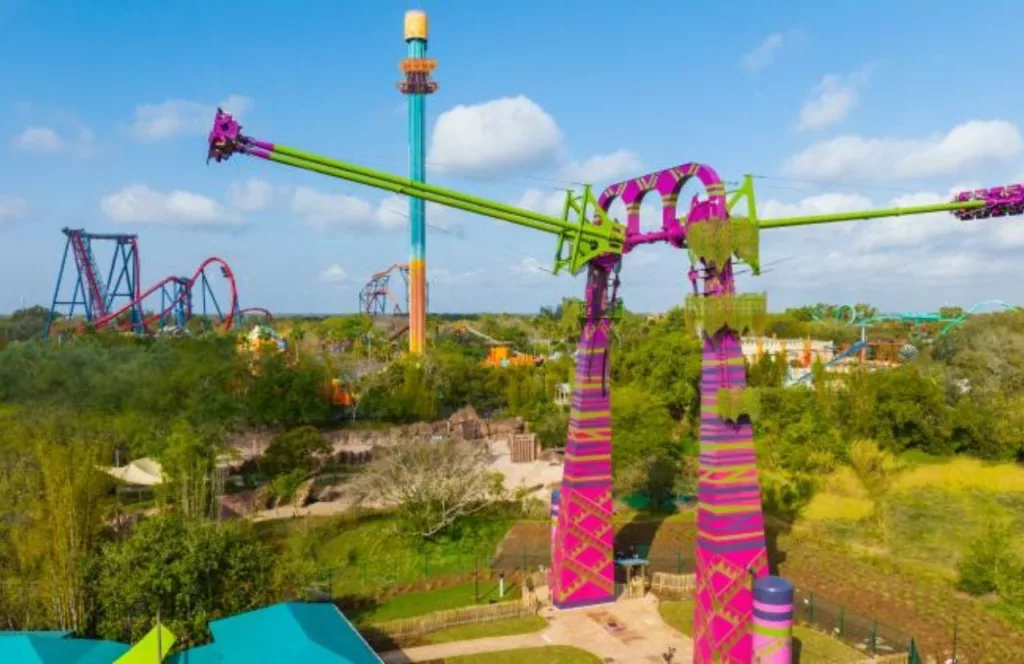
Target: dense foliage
<point x="70" y="560"/>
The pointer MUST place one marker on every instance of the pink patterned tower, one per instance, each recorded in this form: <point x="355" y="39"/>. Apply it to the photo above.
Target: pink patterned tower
<point x="583" y="569"/>
<point x="730" y="523"/>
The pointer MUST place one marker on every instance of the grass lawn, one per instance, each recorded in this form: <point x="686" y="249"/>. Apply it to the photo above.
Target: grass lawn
<point x="522" y="625"/>
<point x="935" y="510"/>
<point x="546" y="655"/>
<point x="361" y="555"/>
<point x="411" y="605"/>
<point x="813" y="646"/>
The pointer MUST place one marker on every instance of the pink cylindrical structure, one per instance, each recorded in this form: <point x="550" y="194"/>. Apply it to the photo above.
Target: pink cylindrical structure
<point x="583" y="568"/>
<point x="772" y="624"/>
<point x="556" y="497"/>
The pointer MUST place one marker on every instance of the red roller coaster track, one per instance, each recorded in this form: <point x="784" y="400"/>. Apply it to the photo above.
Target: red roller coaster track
<point x="112" y="296"/>
<point x="181" y="297"/>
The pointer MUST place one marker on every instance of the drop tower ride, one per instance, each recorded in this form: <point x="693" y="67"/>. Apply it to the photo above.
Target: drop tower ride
<point x="416" y="85"/>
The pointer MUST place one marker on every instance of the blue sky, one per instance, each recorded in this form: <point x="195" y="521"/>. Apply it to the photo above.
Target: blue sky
<point x="104" y="108"/>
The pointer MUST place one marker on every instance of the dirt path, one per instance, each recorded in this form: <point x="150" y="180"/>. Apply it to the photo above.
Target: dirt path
<point x="626" y="631"/>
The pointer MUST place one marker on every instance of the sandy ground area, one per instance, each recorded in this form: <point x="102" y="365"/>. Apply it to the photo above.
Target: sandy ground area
<point x="624" y="631"/>
<point x="537" y="475"/>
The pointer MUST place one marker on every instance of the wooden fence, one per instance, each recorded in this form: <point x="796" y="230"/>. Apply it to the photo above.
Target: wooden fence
<point x="674" y="585"/>
<point x="411" y="628"/>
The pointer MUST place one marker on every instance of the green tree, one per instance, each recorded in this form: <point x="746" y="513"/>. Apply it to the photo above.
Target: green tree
<point x="910" y="412"/>
<point x="643" y="437"/>
<point x="188" y="461"/>
<point x="190" y="571"/>
<point x="294" y="450"/>
<point x="876" y="469"/>
<point x="987" y="558"/>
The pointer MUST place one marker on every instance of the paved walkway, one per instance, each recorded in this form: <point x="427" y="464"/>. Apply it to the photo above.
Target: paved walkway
<point x="628" y="631"/>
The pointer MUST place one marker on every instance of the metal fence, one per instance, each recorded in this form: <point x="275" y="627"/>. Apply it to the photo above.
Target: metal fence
<point x="388" y="575"/>
<point x="857" y="630"/>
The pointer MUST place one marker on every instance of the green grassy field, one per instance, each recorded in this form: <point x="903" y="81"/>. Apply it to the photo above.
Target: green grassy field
<point x="411" y="605"/>
<point x="368" y="554"/>
<point x="906" y="580"/>
<point x="521" y="625"/>
<point x="933" y="510"/>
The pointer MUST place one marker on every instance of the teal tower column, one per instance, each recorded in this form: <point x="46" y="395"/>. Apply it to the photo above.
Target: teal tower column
<point x="416" y="86"/>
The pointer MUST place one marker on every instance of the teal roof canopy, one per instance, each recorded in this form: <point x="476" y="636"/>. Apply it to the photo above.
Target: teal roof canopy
<point x="283" y="633"/>
<point x="52" y="648"/>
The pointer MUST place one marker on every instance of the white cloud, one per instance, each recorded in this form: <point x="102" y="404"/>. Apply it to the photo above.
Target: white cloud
<point x="599" y="169"/>
<point x="833" y="99"/>
<point x="335" y="274"/>
<point x="47" y="140"/>
<point x="549" y="202"/>
<point x="1010" y="234"/>
<point x="447" y="277"/>
<point x="392" y="213"/>
<point x="503" y="134"/>
<point x="919" y="230"/>
<point x="251" y="196"/>
<point x="603" y="168"/>
<point x="39" y="139"/>
<point x="893" y="262"/>
<point x="828" y="203"/>
<point x="764" y="54"/>
<point x="141" y="204"/>
<point x="13" y="208"/>
<point x="530" y="267"/>
<point x="965" y="145"/>
<point x="321" y="210"/>
<point x="176" y="117"/>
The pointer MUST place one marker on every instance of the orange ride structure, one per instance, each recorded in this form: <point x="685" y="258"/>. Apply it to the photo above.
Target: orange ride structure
<point x="715" y="230"/>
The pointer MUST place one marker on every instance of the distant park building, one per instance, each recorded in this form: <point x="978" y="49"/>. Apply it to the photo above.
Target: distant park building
<point x="524" y="447"/>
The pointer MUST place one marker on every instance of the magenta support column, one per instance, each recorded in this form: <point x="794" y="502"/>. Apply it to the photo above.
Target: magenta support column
<point x="730" y="524"/>
<point x="583" y="568"/>
<point x="773" y="621"/>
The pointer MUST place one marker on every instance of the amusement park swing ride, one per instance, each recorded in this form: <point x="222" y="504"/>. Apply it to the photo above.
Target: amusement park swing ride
<point x="715" y="231"/>
<point x="730" y="524"/>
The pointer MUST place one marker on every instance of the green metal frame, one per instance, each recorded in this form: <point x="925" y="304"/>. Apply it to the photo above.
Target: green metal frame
<point x="579" y="240"/>
<point x="746" y="191"/>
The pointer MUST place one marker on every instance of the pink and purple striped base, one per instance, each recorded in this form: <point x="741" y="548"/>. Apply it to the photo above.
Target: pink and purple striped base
<point x="583" y="568"/>
<point x="730" y="524"/>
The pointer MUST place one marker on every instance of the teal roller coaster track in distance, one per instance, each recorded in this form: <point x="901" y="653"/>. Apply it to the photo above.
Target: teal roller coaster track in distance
<point x="847" y="314"/>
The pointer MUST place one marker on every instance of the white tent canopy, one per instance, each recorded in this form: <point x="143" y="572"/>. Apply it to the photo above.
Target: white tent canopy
<point x="141" y="472"/>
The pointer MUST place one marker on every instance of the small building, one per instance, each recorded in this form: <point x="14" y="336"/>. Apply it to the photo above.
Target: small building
<point x="523" y="447"/>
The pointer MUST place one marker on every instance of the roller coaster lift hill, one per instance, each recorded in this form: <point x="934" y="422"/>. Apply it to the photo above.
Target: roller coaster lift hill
<point x="114" y="298"/>
<point x="718" y="228"/>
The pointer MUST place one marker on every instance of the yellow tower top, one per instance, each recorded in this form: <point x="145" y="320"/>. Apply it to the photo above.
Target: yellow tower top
<point x="415" y="24"/>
